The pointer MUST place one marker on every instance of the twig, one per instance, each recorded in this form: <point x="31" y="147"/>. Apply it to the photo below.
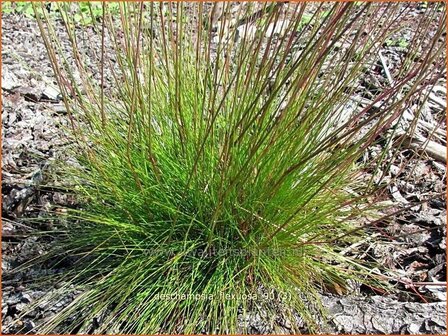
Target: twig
<point x="432" y="148"/>
<point x="386" y="69"/>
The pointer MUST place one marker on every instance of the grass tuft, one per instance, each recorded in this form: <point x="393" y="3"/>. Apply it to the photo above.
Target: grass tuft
<point x="220" y="160"/>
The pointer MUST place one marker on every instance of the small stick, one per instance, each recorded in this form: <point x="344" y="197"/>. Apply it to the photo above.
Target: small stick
<point x="386" y="69"/>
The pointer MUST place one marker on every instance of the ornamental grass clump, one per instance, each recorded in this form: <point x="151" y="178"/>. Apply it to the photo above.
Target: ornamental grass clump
<point x="219" y="156"/>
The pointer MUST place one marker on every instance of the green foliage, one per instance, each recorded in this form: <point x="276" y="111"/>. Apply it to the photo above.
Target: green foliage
<point x="19" y="7"/>
<point x="86" y="13"/>
<point x="83" y="13"/>
<point x="397" y="42"/>
<point x="211" y="166"/>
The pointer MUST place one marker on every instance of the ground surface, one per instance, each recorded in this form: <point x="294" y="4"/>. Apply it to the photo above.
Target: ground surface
<point x="413" y="244"/>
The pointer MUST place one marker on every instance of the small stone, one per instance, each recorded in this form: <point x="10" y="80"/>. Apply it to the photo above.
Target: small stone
<point x="12" y="301"/>
<point x="29" y="326"/>
<point x="20" y="307"/>
<point x="26" y="298"/>
<point x="5" y="265"/>
<point x="343" y="323"/>
<point x="51" y="93"/>
<point x="380" y="325"/>
<point x="20" y="288"/>
<point x="394" y="170"/>
<point x="9" y="81"/>
<point x="60" y="108"/>
<point x="413" y="328"/>
<point x="406" y="186"/>
<point x="7" y="229"/>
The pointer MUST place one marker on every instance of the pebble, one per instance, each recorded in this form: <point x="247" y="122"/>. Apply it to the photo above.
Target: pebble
<point x="26" y="298"/>
<point x="20" y="288"/>
<point x="9" y="81"/>
<point x="29" y="326"/>
<point x="413" y="328"/>
<point x="59" y="108"/>
<point x="12" y="301"/>
<point x="394" y="170"/>
<point x="51" y="93"/>
<point x="20" y="307"/>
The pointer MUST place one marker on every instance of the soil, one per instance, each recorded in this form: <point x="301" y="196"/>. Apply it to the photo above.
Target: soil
<point x="412" y="244"/>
